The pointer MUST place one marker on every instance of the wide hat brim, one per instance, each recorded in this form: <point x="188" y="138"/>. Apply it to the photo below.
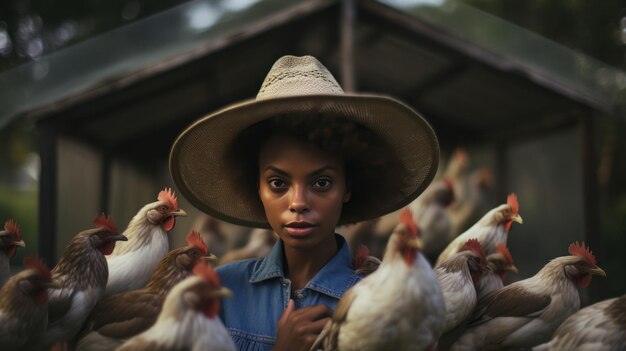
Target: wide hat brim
<point x="203" y="174"/>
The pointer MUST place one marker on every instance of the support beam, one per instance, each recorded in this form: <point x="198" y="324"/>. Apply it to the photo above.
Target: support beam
<point x="593" y="230"/>
<point x="48" y="152"/>
<point x="348" y="22"/>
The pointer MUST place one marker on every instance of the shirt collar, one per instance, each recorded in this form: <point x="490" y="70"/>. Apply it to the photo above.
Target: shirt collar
<point x="333" y="279"/>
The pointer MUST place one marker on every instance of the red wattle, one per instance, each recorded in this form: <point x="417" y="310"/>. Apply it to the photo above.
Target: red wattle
<point x="107" y="248"/>
<point x="583" y="280"/>
<point x="168" y="223"/>
<point x="10" y="250"/>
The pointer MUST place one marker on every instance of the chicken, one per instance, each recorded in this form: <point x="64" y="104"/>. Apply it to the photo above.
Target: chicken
<point x="457" y="172"/>
<point x="131" y="264"/>
<point x="490" y="230"/>
<point x="459" y="276"/>
<point x="188" y="320"/>
<point x="398" y="307"/>
<point x="259" y="244"/>
<point x="82" y="275"/>
<point x="464" y="214"/>
<point x="599" y="327"/>
<point x="124" y="315"/>
<point x="429" y="210"/>
<point x="363" y="263"/>
<point x="10" y="239"/>
<point x="24" y="304"/>
<point x="499" y="263"/>
<point x="526" y="313"/>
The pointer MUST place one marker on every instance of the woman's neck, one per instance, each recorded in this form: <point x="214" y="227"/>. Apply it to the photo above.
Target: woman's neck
<point x="301" y="266"/>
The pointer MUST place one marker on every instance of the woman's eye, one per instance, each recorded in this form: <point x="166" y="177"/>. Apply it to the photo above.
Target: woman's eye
<point x="322" y="183"/>
<point x="276" y="183"/>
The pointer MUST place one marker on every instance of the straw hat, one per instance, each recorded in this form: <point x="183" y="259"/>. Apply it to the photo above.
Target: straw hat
<point x="297" y="86"/>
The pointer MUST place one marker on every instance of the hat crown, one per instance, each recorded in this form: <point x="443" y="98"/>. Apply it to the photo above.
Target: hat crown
<point x="292" y="75"/>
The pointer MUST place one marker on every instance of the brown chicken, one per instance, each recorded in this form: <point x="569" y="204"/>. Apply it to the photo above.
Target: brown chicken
<point x="499" y="264"/>
<point x="82" y="276"/>
<point x="122" y="316"/>
<point x="24" y="304"/>
<point x="10" y="239"/>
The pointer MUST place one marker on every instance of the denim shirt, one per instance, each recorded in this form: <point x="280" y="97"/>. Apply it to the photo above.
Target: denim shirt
<point x="261" y="293"/>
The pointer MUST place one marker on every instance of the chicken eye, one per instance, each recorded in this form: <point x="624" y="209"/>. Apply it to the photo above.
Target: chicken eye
<point x="162" y="209"/>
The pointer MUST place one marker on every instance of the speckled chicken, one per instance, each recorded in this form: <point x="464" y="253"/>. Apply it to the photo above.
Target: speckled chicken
<point x="398" y="307"/>
<point x="121" y="316"/>
<point x="526" y="313"/>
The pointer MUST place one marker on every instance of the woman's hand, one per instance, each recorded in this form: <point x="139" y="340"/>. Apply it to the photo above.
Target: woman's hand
<point x="298" y="329"/>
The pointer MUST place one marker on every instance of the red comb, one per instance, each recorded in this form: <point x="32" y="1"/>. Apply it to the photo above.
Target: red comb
<point x="583" y="251"/>
<point x="206" y="272"/>
<point x="37" y="265"/>
<point x="460" y="153"/>
<point x="504" y="251"/>
<point x="11" y="226"/>
<point x="406" y="218"/>
<point x="511" y="200"/>
<point x="105" y="222"/>
<point x="361" y="255"/>
<point x="167" y="195"/>
<point x="194" y="239"/>
<point x="474" y="246"/>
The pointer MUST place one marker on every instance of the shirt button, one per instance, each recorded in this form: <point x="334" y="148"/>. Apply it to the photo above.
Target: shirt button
<point x="300" y="296"/>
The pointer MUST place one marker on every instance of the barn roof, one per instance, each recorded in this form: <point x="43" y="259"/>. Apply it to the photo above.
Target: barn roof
<point x="464" y="69"/>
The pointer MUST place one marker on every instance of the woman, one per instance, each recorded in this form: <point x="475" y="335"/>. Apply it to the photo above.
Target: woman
<point x="301" y="158"/>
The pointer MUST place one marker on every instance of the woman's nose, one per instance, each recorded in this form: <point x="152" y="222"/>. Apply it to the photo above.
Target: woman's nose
<point x="298" y="203"/>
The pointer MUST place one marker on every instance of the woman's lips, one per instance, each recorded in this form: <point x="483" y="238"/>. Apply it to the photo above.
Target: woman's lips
<point x="299" y="228"/>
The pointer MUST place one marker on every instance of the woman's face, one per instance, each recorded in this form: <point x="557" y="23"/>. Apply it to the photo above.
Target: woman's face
<point x="302" y="189"/>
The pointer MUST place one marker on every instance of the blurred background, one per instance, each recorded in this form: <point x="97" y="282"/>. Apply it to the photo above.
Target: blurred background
<point x="93" y="93"/>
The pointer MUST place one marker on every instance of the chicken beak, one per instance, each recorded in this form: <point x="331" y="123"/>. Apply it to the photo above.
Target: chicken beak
<point x="597" y="271"/>
<point x="517" y="218"/>
<point x="20" y="243"/>
<point x="119" y="237"/>
<point x="511" y="268"/>
<point x="222" y="292"/>
<point x="210" y="258"/>
<point x="416" y="244"/>
<point x="179" y="213"/>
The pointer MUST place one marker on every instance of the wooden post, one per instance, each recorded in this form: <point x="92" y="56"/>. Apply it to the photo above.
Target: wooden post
<point x="593" y="230"/>
<point x="348" y="14"/>
<point x="48" y="153"/>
